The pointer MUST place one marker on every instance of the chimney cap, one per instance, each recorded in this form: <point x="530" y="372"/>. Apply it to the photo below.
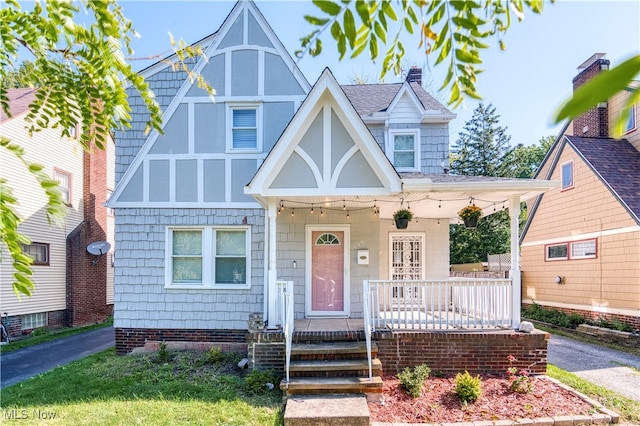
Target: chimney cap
<point x="595" y="57"/>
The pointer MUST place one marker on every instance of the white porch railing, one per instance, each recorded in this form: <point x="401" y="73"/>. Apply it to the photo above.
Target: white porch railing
<point x="284" y="308"/>
<point x="368" y="328"/>
<point x="440" y="304"/>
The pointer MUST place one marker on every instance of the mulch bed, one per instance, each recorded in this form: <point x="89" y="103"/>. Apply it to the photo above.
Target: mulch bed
<point x="439" y="403"/>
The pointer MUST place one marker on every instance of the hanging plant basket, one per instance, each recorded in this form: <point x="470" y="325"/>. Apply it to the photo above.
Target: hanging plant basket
<point x="471" y="223"/>
<point x="402" y="218"/>
<point x="470" y="215"/>
<point x="402" y="223"/>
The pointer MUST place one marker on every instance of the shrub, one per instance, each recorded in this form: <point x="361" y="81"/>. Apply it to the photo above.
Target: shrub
<point x="613" y="324"/>
<point x="213" y="355"/>
<point x="257" y="382"/>
<point x="468" y="388"/>
<point x="412" y="381"/>
<point x="520" y="380"/>
<point x="552" y="316"/>
<point x="163" y="355"/>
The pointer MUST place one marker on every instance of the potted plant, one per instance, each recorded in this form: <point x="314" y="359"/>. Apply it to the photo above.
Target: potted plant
<point x="402" y="218"/>
<point x="470" y="215"/>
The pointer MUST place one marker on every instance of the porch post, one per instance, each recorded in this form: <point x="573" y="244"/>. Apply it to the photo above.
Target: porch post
<point x="516" y="297"/>
<point x="272" y="273"/>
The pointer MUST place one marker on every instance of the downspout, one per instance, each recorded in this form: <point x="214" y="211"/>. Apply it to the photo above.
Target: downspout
<point x="516" y="285"/>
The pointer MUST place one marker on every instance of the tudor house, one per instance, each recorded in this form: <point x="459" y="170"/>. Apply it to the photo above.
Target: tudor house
<point x="276" y="202"/>
<point x="72" y="288"/>
<point x="581" y="244"/>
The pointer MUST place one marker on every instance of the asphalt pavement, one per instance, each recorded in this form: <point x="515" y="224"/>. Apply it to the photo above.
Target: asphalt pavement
<point x="614" y="370"/>
<point x="19" y="365"/>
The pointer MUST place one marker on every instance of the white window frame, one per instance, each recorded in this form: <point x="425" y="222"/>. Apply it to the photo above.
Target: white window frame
<point x="573" y="175"/>
<point x="630" y="118"/>
<point x="416" y="148"/>
<point x="65" y="190"/>
<point x="259" y="128"/>
<point x="208" y="258"/>
<point x="593" y="255"/>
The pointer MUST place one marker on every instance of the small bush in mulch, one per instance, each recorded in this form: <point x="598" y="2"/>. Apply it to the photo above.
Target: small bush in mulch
<point x="413" y="380"/>
<point x="468" y="388"/>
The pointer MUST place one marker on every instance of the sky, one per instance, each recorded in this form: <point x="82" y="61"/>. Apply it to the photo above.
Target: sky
<point x="526" y="83"/>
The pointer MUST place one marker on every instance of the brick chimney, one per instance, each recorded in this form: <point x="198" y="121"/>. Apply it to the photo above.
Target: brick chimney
<point x="595" y="122"/>
<point x="415" y="75"/>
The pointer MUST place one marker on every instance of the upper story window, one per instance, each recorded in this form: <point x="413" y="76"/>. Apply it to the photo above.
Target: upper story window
<point x="630" y="120"/>
<point x="244" y="128"/>
<point x="64" y="184"/>
<point x="38" y="251"/>
<point x="567" y="175"/>
<point x="404" y="149"/>
<point x="216" y="257"/>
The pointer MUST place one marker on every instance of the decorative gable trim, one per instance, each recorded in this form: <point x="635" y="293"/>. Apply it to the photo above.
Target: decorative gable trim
<point x="405" y="89"/>
<point x="241" y="10"/>
<point x="325" y="101"/>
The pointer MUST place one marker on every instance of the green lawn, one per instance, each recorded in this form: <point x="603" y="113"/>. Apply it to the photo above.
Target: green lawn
<point x="105" y="389"/>
<point x="628" y="409"/>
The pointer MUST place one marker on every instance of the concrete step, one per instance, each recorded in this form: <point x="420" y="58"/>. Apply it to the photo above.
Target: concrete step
<point x="354" y="367"/>
<point x="325" y="410"/>
<point x="334" y="385"/>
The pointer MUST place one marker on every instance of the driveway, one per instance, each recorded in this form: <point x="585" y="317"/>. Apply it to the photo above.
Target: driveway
<point x="614" y="370"/>
<point x="22" y="364"/>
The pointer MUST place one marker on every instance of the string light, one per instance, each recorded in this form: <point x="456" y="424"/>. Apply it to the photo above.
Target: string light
<point x="438" y="222"/>
<point x="311" y="208"/>
<point x="348" y="214"/>
<point x="439" y="204"/>
<point x="344" y="205"/>
<point x="293" y="212"/>
<point x="321" y="212"/>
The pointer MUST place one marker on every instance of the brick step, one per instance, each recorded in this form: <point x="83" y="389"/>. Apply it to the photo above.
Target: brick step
<point x="334" y="385"/>
<point x="332" y="348"/>
<point x="347" y="367"/>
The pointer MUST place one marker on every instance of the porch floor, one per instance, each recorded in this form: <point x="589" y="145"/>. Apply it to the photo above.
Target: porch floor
<point x="329" y="324"/>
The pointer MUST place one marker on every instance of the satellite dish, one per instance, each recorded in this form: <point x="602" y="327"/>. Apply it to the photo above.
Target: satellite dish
<point x="99" y="248"/>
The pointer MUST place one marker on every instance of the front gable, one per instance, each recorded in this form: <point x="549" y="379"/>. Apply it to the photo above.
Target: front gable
<point x="405" y="107"/>
<point x="325" y="150"/>
<point x="199" y="159"/>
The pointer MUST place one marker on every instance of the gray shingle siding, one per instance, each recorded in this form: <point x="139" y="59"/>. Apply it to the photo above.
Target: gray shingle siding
<point x="141" y="299"/>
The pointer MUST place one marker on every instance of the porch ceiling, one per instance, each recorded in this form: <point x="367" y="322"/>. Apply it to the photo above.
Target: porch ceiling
<point x="430" y="199"/>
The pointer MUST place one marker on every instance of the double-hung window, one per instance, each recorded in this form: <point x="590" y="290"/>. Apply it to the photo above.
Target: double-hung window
<point x="404" y="149"/>
<point x="64" y="184"/>
<point x="244" y="128"/>
<point x="216" y="257"/>
<point x="38" y="251"/>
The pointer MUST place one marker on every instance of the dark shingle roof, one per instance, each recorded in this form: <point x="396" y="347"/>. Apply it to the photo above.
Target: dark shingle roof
<point x="371" y="98"/>
<point x="618" y="164"/>
<point x="19" y="100"/>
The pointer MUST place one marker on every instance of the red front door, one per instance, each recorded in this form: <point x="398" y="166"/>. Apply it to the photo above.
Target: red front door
<point x="327" y="271"/>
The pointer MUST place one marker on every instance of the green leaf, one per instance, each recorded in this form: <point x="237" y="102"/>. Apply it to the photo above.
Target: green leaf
<point x="444" y="52"/>
<point x="380" y="32"/>
<point x="349" y="27"/>
<point x="315" y="20"/>
<point x="599" y="89"/>
<point x="328" y="7"/>
<point x="363" y="11"/>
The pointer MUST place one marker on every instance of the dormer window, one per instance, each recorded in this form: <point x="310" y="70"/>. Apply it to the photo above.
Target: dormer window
<point x="244" y="128"/>
<point x="404" y="149"/>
